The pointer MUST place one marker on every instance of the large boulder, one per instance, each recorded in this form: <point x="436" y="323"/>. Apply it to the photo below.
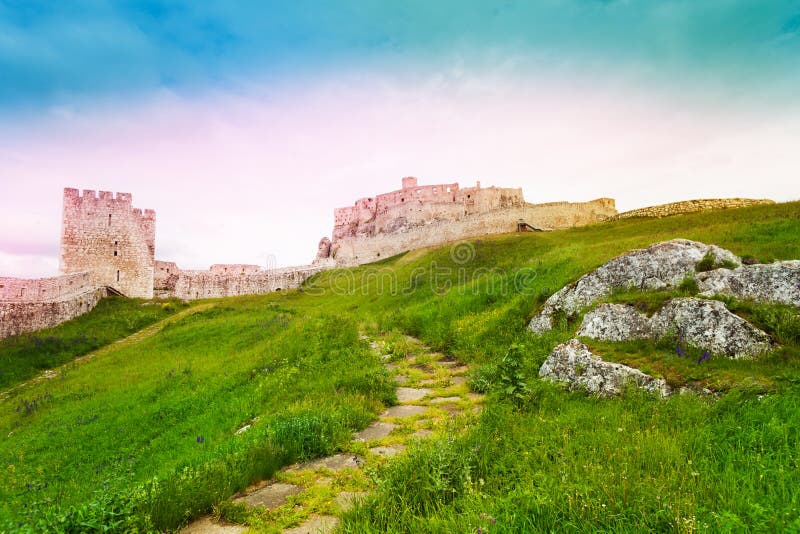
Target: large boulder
<point x="615" y="322"/>
<point x="575" y="365"/>
<point x="659" y="266"/>
<point x="772" y="282"/>
<point x="708" y="325"/>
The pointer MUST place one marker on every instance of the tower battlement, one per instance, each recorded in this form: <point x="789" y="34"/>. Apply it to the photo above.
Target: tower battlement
<point x="103" y="234"/>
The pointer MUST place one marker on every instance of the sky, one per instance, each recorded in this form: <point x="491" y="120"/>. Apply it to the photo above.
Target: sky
<point x="245" y="123"/>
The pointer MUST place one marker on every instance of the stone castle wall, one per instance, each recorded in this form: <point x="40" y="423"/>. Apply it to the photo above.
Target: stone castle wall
<point x="416" y="205"/>
<point x="693" y="206"/>
<point x="109" y="238"/>
<point x="227" y="280"/>
<point x="555" y="215"/>
<point x="19" y="316"/>
<point x="45" y="289"/>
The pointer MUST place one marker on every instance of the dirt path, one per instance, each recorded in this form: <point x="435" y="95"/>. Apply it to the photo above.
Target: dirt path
<point x="311" y="497"/>
<point x="132" y="339"/>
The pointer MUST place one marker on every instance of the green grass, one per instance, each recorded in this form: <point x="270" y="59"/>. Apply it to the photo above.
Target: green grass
<point x="293" y="364"/>
<point x="26" y="355"/>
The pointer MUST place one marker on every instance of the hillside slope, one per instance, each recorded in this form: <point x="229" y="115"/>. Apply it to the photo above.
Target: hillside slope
<point x="145" y="437"/>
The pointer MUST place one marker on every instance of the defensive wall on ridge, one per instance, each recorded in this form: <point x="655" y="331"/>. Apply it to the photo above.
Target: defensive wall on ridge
<point x="227" y="280"/>
<point x="27" y="305"/>
<point x="693" y="206"/>
<point x="108" y="245"/>
<point x="422" y="216"/>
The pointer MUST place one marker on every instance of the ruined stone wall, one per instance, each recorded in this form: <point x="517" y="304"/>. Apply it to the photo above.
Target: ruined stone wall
<point x="29" y="305"/>
<point x="555" y="215"/>
<point x="416" y="205"/>
<point x="44" y="289"/>
<point x="693" y="206"/>
<point x="237" y="280"/>
<point x="107" y="237"/>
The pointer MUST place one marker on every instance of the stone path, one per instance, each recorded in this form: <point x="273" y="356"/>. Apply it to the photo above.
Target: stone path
<point x="310" y="497"/>
<point x="134" y="338"/>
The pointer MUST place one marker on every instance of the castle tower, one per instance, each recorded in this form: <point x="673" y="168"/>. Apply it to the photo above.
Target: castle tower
<point x="110" y="239"/>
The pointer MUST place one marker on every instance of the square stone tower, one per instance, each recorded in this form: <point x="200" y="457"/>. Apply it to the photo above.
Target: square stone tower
<point x="105" y="236"/>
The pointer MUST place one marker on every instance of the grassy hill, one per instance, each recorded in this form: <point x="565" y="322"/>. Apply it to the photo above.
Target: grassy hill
<point x="144" y="435"/>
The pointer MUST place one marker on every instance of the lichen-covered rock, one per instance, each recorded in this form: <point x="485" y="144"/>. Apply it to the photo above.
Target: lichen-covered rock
<point x="708" y="325"/>
<point x="574" y="364"/>
<point x="772" y="282"/>
<point x="615" y="322"/>
<point x="660" y="266"/>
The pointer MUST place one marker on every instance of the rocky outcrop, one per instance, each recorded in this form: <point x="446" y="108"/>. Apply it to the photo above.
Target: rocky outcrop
<point x="660" y="266"/>
<point x="772" y="282"/>
<point x="704" y="324"/>
<point x="575" y="365"/>
<point x="708" y="325"/>
<point x="615" y="322"/>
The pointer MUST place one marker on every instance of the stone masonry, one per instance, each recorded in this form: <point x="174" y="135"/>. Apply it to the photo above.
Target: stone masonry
<point x="420" y="216"/>
<point x="107" y="237"/>
<point x="693" y="206"/>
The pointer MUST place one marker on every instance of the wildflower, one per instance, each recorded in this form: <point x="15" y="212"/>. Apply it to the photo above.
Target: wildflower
<point x="201" y="439"/>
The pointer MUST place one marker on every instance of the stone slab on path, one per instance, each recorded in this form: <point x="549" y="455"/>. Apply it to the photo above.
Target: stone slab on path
<point x="377" y="430"/>
<point x="206" y="525"/>
<point x="412" y="394"/>
<point x="270" y="496"/>
<point x="334" y="463"/>
<point x="317" y="524"/>
<point x="388" y="451"/>
<point x="404" y="410"/>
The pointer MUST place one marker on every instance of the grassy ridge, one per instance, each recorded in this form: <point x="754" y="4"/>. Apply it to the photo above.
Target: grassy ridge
<point x="150" y="429"/>
<point x="24" y="356"/>
<point x="133" y="421"/>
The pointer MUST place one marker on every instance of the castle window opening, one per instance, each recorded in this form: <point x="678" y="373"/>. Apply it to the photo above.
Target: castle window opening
<point x="109" y="219"/>
<point x="116" y="248"/>
<point x="117" y="275"/>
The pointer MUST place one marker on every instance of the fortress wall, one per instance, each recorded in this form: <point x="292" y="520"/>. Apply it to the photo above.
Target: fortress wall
<point x="55" y="288"/>
<point x="693" y="206"/>
<point x="19" y="317"/>
<point x="192" y="285"/>
<point x="105" y="235"/>
<point x="365" y="249"/>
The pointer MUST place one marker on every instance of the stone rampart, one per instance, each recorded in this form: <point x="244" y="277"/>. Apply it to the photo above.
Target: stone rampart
<point x="554" y="215"/>
<point x="17" y="317"/>
<point x="28" y="290"/>
<point x="227" y="280"/>
<point x="693" y="206"/>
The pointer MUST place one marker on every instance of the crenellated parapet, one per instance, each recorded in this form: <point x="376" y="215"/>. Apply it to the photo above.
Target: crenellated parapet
<point x="103" y="234"/>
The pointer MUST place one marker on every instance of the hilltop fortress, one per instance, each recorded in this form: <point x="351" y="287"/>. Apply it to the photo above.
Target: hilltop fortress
<point x="108" y="246"/>
<point x="418" y="216"/>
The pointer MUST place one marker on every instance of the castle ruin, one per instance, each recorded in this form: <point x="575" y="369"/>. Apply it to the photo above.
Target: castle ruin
<point x="105" y="236"/>
<point x="108" y="246"/>
<point x="417" y="216"/>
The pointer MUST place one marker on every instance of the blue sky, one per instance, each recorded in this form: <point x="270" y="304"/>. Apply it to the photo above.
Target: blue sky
<point x="65" y="53"/>
<point x="244" y="124"/>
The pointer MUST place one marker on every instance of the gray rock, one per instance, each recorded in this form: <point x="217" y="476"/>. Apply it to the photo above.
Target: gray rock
<point x="771" y="282"/>
<point x="574" y="364"/>
<point x="708" y="325"/>
<point x="615" y="322"/>
<point x="659" y="266"/>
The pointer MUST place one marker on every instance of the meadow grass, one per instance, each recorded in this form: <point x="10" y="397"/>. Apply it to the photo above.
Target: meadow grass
<point x="26" y="355"/>
<point x="150" y="436"/>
